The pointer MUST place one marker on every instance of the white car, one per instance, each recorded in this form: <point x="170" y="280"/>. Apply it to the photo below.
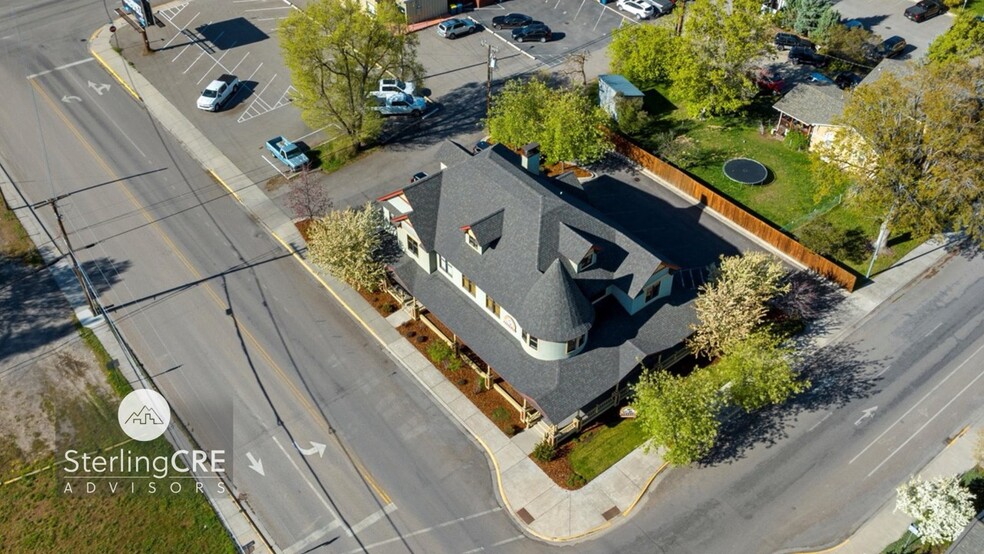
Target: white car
<point x="217" y="93"/>
<point x="639" y="8"/>
<point x="389" y="87"/>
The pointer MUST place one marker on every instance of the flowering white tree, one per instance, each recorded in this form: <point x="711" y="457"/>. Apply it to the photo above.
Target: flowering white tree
<point x="352" y="245"/>
<point x="941" y="507"/>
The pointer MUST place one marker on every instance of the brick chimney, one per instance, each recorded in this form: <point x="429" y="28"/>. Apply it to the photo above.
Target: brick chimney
<point x="531" y="157"/>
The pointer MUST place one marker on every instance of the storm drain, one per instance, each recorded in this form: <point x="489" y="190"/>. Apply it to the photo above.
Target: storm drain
<point x="525" y="516"/>
<point x="610" y="513"/>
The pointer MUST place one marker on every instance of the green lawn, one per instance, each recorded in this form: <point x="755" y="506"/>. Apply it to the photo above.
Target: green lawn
<point x="976" y="6"/>
<point x="598" y="450"/>
<point x="788" y="199"/>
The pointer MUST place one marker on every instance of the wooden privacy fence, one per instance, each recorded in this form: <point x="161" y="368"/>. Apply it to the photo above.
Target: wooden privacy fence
<point x="734" y="212"/>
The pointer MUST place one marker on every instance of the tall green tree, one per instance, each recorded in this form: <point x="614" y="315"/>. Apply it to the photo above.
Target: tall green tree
<point x="573" y="129"/>
<point x="720" y="42"/>
<point x="961" y="42"/>
<point x="760" y="371"/>
<point x="566" y="123"/>
<point x="336" y="53"/>
<point x="806" y="15"/>
<point x="642" y="53"/>
<point x="914" y="146"/>
<point x="679" y="413"/>
<point x="517" y="113"/>
<point x="733" y="303"/>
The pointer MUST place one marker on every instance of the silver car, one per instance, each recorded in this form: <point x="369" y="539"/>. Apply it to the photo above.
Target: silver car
<point x="454" y="28"/>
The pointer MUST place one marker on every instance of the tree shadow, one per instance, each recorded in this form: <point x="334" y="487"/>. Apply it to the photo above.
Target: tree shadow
<point x="33" y="309"/>
<point x="839" y="375"/>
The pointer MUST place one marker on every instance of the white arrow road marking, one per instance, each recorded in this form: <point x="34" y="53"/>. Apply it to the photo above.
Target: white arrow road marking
<point x="255" y="464"/>
<point x="99" y="88"/>
<point x="316" y="448"/>
<point x="68" y="99"/>
<point x="870" y="412"/>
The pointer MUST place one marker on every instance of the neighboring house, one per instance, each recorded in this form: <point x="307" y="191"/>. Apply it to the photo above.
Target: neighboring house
<point x="971" y="540"/>
<point x="811" y="109"/>
<point x="415" y="10"/>
<point x="555" y="298"/>
<point x="613" y="87"/>
<point x="901" y="68"/>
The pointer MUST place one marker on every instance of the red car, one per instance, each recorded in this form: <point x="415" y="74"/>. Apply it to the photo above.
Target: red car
<point x="769" y="81"/>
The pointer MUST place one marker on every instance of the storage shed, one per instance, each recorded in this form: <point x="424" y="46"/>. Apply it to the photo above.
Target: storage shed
<point x="612" y="87"/>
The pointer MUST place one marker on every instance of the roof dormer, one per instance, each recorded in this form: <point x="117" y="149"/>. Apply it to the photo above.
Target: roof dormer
<point x="577" y="248"/>
<point x="484" y="232"/>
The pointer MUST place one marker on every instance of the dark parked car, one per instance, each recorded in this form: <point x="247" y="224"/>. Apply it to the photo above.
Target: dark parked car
<point x="889" y="48"/>
<point x="786" y="40"/>
<point x="846" y="79"/>
<point x="925" y="10"/>
<point x="454" y="28"/>
<point x="806" y="56"/>
<point x="511" y="21"/>
<point x="533" y="31"/>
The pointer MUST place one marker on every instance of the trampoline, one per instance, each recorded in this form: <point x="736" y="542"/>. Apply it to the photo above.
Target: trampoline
<point x="746" y="171"/>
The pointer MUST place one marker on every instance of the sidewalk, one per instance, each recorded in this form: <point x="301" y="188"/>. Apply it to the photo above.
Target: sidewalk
<point x="540" y="507"/>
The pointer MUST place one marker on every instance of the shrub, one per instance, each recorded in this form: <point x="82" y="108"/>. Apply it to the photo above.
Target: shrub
<point x="439" y="352"/>
<point x="500" y="414"/>
<point x="544" y="451"/>
<point x="576" y="481"/>
<point x="453" y="364"/>
<point x="796" y="141"/>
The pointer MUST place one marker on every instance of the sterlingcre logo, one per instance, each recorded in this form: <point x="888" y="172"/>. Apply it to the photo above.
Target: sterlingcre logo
<point x="144" y="415"/>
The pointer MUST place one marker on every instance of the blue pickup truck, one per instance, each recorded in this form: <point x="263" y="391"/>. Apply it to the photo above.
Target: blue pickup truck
<point x="287" y="152"/>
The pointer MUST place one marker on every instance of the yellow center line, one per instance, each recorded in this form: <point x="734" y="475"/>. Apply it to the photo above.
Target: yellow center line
<point x="207" y="287"/>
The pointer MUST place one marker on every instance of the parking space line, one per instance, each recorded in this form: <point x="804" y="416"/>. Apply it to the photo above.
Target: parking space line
<point x="170" y="13"/>
<point x="233" y="70"/>
<point x="579" y="8"/>
<point x="218" y="62"/>
<point x="181" y="32"/>
<point x="193" y="63"/>
<point x="268" y="9"/>
<point x="275" y="168"/>
<point x="520" y="50"/>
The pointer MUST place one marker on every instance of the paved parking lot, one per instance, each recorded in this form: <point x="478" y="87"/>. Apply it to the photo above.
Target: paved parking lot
<point x="203" y="39"/>
<point x="885" y="18"/>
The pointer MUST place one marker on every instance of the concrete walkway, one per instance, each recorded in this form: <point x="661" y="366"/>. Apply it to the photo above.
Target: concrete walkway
<point x="540" y="507"/>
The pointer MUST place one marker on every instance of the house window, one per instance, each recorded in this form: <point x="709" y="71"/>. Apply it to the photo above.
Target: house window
<point x="491" y="305"/>
<point x="442" y="263"/>
<point x="468" y="285"/>
<point x="412" y="246"/>
<point x="651" y="291"/>
<point x="530" y="340"/>
<point x="473" y="242"/>
<point x="574" y="344"/>
<point x="587" y="261"/>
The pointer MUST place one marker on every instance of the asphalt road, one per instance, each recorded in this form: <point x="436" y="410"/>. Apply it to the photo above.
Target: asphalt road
<point x="883" y="404"/>
<point x="246" y="346"/>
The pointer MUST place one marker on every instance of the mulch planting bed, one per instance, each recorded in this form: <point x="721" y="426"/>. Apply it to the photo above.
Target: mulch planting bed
<point x="559" y="469"/>
<point x="491" y="403"/>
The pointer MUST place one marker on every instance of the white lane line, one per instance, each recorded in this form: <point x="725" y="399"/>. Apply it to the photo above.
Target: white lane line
<point x="930" y="420"/>
<point x="916" y="405"/>
<point x="309" y="540"/>
<point x="312" y="132"/>
<point x="602" y="14"/>
<point x="310" y="485"/>
<point x="518" y="49"/>
<point x="275" y="168"/>
<point x="817" y="424"/>
<point x="938" y="325"/>
<point x="60" y="67"/>
<point x="267" y="9"/>
<point x="426" y="530"/>
<point x="193" y="63"/>
<point x="494" y="545"/>
<point x="373" y="518"/>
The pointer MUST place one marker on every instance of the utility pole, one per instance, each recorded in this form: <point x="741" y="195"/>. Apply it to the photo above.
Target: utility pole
<point x="488" y="84"/>
<point x="71" y="252"/>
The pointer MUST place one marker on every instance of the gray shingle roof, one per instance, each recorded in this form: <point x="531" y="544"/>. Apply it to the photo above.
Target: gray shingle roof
<point x="900" y="68"/>
<point x="554" y="308"/>
<point x="572" y="244"/>
<point x="450" y="153"/>
<point x="488" y="229"/>
<point x="812" y="104"/>
<point x="534" y="210"/>
<point x="615" y="346"/>
<point x="971" y="540"/>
